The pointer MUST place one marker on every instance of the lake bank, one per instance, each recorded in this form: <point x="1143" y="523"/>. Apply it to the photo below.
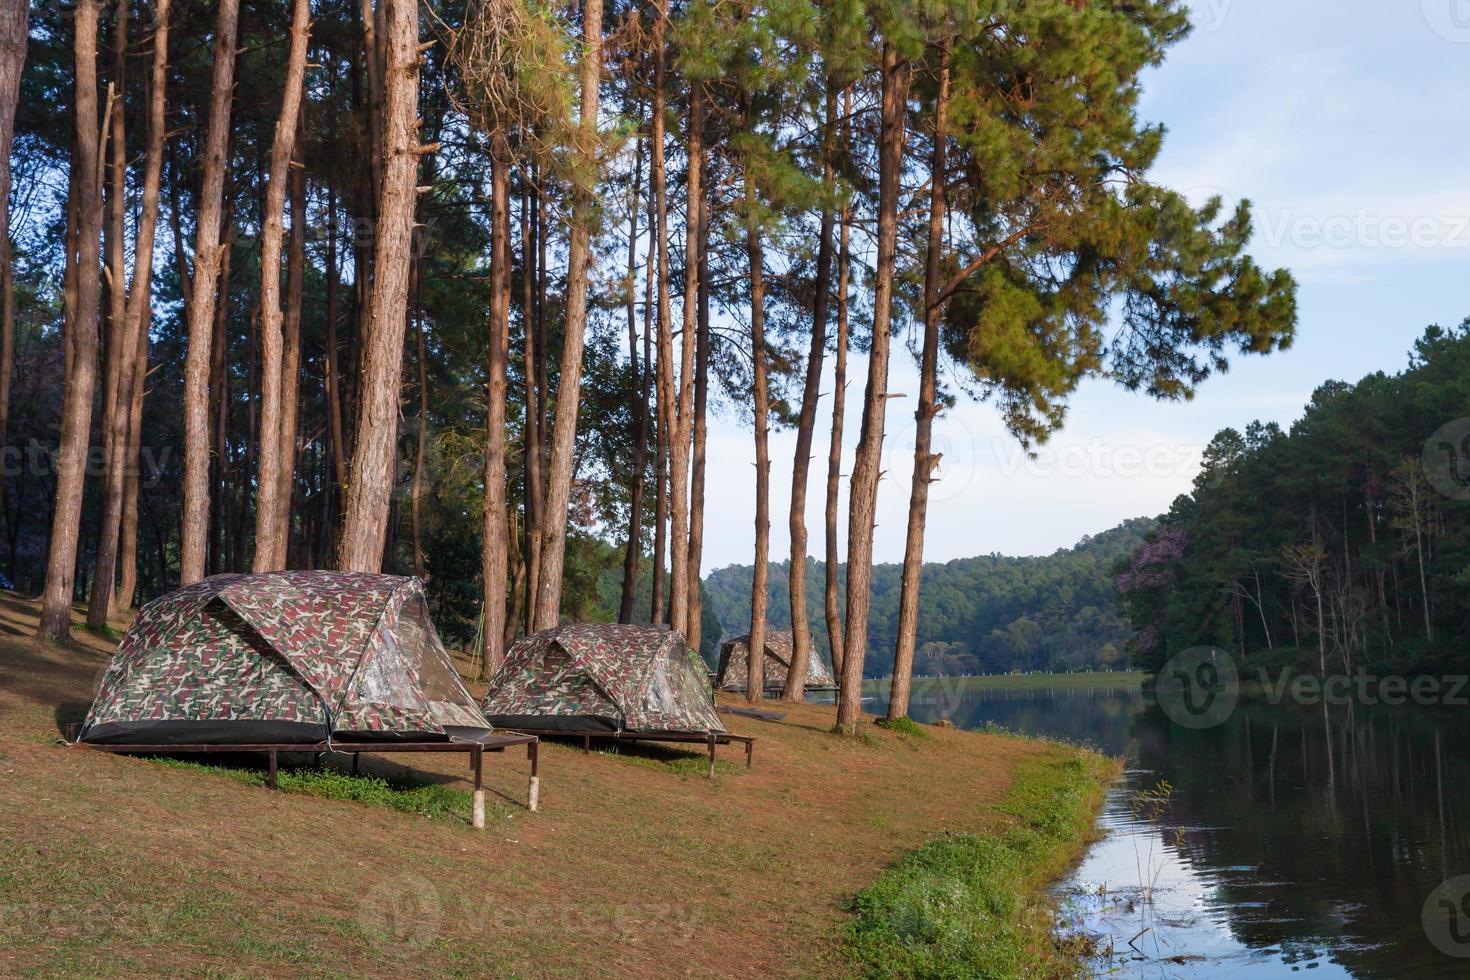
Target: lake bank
<point x="634" y="866"/>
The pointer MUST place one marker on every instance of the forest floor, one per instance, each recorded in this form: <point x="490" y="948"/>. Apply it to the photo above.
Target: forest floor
<point x="636" y="864"/>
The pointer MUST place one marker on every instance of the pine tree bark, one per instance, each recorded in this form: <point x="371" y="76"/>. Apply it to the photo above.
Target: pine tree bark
<point x="637" y="406"/>
<point x="564" y="427"/>
<point x="81" y="378"/>
<point x="683" y="579"/>
<point x="924" y="459"/>
<point x="291" y="346"/>
<point x="122" y="449"/>
<point x="701" y="436"/>
<point x="756" y="660"/>
<point x="115" y="352"/>
<point x="272" y="513"/>
<point x="839" y="405"/>
<point x="127" y="554"/>
<point x="801" y="633"/>
<point x="14" y="34"/>
<point x="863" y="490"/>
<point x="374" y="451"/>
<point x="672" y="417"/>
<point x="532" y="354"/>
<point x="416" y="495"/>
<point x="207" y="255"/>
<point x="495" y="540"/>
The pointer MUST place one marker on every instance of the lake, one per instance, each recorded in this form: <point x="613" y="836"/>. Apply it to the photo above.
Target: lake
<point x="1289" y="839"/>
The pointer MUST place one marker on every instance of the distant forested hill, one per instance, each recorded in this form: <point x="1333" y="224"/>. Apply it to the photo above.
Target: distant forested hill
<point x="984" y="614"/>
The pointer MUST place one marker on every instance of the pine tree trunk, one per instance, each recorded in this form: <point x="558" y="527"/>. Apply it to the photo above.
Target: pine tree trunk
<point x="801" y="633"/>
<point x="701" y="437"/>
<point x="14" y="34"/>
<point x="207" y="253"/>
<point x="374" y="451"/>
<point x="331" y="367"/>
<point x="564" y="429"/>
<point x="839" y="405"/>
<point x="81" y="378"/>
<point x="416" y="494"/>
<point x="221" y="516"/>
<point x="127" y="554"/>
<point x="670" y="418"/>
<point x="924" y="459"/>
<point x="271" y="512"/>
<point x="531" y="360"/>
<point x="291" y="347"/>
<point x="863" y="492"/>
<point x="657" y="608"/>
<point x="637" y="407"/>
<point x="122" y="451"/>
<point x="495" y="540"/>
<point x="684" y="578"/>
<point x="756" y="660"/>
<point x="117" y="350"/>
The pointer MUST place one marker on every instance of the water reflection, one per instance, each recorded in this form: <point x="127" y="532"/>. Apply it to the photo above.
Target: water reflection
<point x="1294" y="838"/>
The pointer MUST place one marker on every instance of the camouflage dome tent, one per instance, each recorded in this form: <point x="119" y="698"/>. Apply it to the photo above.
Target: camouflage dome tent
<point x="601" y="679"/>
<point x="735" y="658"/>
<point x="285" y="657"/>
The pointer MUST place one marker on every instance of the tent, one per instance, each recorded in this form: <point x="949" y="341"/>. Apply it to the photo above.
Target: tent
<point x="594" y="678"/>
<point x="735" y="657"/>
<point x="284" y="657"/>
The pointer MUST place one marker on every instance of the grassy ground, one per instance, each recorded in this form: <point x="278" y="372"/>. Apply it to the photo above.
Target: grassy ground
<point x="1096" y="680"/>
<point x="636" y="864"/>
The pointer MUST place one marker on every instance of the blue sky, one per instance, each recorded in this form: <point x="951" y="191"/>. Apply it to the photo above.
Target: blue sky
<point x="1347" y="124"/>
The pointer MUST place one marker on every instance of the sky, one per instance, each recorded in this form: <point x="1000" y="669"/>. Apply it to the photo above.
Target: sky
<point x="1347" y="125"/>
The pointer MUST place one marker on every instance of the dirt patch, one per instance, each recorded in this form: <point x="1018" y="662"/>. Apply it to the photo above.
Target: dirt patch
<point x="124" y="865"/>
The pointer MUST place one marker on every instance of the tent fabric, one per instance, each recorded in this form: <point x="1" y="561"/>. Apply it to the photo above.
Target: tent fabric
<point x="735" y="660"/>
<point x="283" y="657"/>
<point x="601" y="677"/>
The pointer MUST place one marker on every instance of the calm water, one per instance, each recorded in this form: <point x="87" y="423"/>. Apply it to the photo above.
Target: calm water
<point x="1293" y="840"/>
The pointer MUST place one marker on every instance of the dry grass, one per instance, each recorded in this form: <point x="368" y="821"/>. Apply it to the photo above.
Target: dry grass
<point x="118" y="865"/>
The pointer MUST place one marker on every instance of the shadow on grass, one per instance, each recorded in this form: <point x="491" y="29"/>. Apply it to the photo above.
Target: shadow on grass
<point x="409" y="791"/>
<point x="662" y="756"/>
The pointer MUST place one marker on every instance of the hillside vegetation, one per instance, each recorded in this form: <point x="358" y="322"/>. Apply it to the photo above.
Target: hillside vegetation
<point x="976" y="615"/>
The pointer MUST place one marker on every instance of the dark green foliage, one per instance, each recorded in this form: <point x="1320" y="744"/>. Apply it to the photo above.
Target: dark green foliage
<point x="1342" y="490"/>
<point x="976" y="615"/>
<point x="903" y="726"/>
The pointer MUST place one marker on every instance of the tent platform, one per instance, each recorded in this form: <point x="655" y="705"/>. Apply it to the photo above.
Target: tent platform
<point x="723" y="738"/>
<point x="476" y="750"/>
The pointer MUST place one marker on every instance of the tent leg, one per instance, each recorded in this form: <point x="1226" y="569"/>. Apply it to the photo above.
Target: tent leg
<point x="354" y="762"/>
<point x="477" y="820"/>
<point x="271" y="776"/>
<point x="749" y="752"/>
<point x="711" y="757"/>
<point x="534" y="793"/>
<point x="586" y="743"/>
